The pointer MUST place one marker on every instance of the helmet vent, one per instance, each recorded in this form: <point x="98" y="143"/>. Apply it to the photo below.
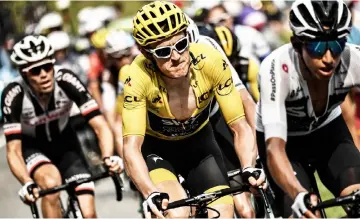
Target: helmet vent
<point x="161" y="11"/>
<point x="145" y="17"/>
<point x="153" y="29"/>
<point x="167" y="7"/>
<point x="307" y="16"/>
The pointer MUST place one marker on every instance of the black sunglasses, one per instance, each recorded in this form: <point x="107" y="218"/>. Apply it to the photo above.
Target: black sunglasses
<point x="37" y="70"/>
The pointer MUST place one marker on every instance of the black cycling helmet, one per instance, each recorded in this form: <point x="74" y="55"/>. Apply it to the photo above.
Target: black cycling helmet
<point x="224" y="37"/>
<point x="308" y="19"/>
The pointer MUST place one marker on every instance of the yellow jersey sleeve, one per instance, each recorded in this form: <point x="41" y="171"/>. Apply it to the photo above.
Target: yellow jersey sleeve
<point x="134" y="100"/>
<point x="225" y="92"/>
<point x="252" y="78"/>
<point x="120" y="92"/>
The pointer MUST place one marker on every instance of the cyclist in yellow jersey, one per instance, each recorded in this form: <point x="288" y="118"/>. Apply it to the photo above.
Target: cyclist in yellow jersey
<point x="167" y="96"/>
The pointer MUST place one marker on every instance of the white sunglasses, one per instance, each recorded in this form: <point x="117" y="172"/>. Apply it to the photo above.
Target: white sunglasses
<point x="165" y="52"/>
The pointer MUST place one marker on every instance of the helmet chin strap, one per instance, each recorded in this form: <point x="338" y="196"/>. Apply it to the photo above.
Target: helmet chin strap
<point x="306" y="67"/>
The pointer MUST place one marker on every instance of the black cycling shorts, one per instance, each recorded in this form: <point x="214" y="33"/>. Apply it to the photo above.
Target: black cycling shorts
<point x="197" y="159"/>
<point x="63" y="153"/>
<point x="225" y="140"/>
<point x="330" y="150"/>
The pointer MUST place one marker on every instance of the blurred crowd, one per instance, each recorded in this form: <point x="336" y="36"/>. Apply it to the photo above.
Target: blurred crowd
<point x="102" y="42"/>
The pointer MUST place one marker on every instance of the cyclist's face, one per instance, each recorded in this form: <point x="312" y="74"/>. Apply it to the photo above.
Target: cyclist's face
<point x="177" y="65"/>
<point x="41" y="78"/>
<point x="322" y="67"/>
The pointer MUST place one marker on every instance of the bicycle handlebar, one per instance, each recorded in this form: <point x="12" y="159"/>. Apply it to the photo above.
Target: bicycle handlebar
<point x="203" y="198"/>
<point x="338" y="201"/>
<point x="119" y="185"/>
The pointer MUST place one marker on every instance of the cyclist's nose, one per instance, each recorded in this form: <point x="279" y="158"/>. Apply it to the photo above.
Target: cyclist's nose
<point x="328" y="58"/>
<point x="43" y="73"/>
<point x="175" y="56"/>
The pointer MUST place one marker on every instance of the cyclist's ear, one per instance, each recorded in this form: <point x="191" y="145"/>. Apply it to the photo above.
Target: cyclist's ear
<point x="145" y="53"/>
<point x="296" y="43"/>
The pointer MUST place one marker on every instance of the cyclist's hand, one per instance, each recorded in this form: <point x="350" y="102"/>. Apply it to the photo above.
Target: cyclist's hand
<point x="114" y="163"/>
<point x="304" y="201"/>
<point x="255" y="176"/>
<point x="155" y="203"/>
<point x="29" y="192"/>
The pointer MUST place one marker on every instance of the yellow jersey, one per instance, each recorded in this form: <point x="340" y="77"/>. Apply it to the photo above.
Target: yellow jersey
<point x="145" y="108"/>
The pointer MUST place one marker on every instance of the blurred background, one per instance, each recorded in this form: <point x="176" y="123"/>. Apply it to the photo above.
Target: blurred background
<point x="79" y="32"/>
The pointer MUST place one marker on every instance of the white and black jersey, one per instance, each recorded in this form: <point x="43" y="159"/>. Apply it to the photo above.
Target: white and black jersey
<point x="285" y="107"/>
<point x="23" y="114"/>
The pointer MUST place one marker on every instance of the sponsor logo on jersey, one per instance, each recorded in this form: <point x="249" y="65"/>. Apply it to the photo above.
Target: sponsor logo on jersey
<point x="130" y="99"/>
<point x="204" y="96"/>
<point x="198" y="65"/>
<point x="72" y="80"/>
<point x="225" y="65"/>
<point x="273" y="81"/>
<point x="127" y="81"/>
<point x="295" y="92"/>
<point x="11" y="94"/>
<point x="174" y="127"/>
<point x="9" y="98"/>
<point x="12" y="128"/>
<point x="156" y="99"/>
<point x="225" y="88"/>
<point x="285" y="68"/>
<point x="52" y="115"/>
<point x="88" y="107"/>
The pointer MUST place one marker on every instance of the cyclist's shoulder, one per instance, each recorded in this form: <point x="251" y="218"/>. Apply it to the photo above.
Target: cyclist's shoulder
<point x="12" y="90"/>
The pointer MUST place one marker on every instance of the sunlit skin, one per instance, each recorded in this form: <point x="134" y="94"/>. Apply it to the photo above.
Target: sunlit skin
<point x="42" y="83"/>
<point x="177" y="66"/>
<point x="322" y="68"/>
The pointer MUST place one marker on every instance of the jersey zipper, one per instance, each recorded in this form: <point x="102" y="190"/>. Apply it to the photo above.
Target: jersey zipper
<point x="47" y="128"/>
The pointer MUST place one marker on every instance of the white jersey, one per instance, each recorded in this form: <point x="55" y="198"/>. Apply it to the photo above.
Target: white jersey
<point x="253" y="43"/>
<point x="285" y="107"/>
<point x="236" y="79"/>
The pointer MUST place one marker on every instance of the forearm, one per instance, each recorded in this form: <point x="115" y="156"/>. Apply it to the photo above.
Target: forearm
<point x="249" y="108"/>
<point x="244" y="144"/>
<point x="117" y="129"/>
<point x="282" y="171"/>
<point x="137" y="170"/>
<point x="18" y="166"/>
<point x="94" y="89"/>
<point x="104" y="135"/>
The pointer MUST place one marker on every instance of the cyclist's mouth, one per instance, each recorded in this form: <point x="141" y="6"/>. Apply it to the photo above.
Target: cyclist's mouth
<point x="326" y="70"/>
<point x="45" y="84"/>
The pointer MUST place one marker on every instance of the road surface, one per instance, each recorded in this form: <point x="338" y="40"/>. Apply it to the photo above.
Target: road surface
<point x="106" y="204"/>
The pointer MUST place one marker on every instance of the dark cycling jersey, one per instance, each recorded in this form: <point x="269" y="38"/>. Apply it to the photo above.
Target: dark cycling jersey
<point x="23" y="114"/>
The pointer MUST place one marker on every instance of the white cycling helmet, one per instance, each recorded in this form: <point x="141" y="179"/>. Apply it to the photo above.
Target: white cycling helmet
<point x="62" y="4"/>
<point x="308" y="18"/>
<point x="118" y="43"/>
<point x="192" y="30"/>
<point x="85" y="14"/>
<point x="59" y="40"/>
<point x="33" y="51"/>
<point x="48" y="21"/>
<point x="105" y="13"/>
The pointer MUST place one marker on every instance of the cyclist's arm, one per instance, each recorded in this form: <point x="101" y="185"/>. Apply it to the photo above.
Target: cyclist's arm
<point x="249" y="105"/>
<point x="89" y="109"/>
<point x="11" y="102"/>
<point x="117" y="129"/>
<point x="109" y="101"/>
<point x="134" y="127"/>
<point x="252" y="77"/>
<point x="273" y="91"/>
<point x="93" y="79"/>
<point x="232" y="108"/>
